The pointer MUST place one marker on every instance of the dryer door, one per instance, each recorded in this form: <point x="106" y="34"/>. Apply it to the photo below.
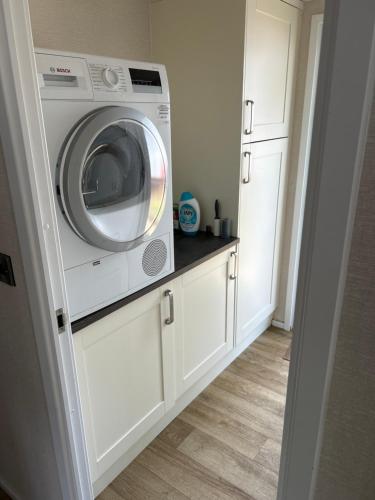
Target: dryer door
<point x="112" y="178"/>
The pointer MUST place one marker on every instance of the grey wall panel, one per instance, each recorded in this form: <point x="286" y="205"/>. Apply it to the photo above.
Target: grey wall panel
<point x="202" y="45"/>
<point x="347" y="462"/>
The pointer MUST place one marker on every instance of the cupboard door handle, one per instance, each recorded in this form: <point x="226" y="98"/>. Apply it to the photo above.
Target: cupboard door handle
<point x="246" y="180"/>
<point x="249" y="102"/>
<point x="233" y="276"/>
<point x="169" y="294"/>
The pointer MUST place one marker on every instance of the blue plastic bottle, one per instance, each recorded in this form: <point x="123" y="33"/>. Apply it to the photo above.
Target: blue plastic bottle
<point x="189" y="214"/>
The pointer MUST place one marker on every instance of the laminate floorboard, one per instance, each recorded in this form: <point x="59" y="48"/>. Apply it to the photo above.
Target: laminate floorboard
<point x="221" y="425"/>
<point x="257" y="417"/>
<point x="226" y="444"/>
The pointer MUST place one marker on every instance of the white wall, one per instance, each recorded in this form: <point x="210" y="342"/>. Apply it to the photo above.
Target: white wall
<point x="202" y="43"/>
<point x="310" y="8"/>
<point x="27" y="462"/>
<point x="117" y="28"/>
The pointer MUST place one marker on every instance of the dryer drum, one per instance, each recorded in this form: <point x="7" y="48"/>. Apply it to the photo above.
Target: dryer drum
<point x="113" y="174"/>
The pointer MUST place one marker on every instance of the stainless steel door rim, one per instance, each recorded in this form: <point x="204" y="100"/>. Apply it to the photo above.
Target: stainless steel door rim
<point x="112" y="178"/>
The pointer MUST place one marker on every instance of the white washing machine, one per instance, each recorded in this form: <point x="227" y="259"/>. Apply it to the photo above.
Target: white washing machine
<point x="107" y="126"/>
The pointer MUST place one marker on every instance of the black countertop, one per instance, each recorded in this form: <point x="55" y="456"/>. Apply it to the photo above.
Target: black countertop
<point x="189" y="252"/>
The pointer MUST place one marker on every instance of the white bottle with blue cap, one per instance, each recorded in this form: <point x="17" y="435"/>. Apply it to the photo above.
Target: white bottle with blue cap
<point x="189" y="214"/>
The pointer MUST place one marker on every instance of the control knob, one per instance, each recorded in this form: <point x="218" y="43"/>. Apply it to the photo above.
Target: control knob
<point x="110" y="78"/>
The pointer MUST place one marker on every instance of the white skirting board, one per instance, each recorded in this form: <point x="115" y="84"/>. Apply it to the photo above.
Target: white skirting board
<point x="179" y="406"/>
<point x="278" y="324"/>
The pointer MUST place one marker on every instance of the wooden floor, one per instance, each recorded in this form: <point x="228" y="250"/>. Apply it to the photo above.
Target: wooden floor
<point x="226" y="443"/>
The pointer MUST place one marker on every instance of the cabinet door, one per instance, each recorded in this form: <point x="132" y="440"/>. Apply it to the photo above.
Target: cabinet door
<point x="272" y="28"/>
<point x="204" y="318"/>
<point x="261" y="217"/>
<point x="124" y="366"/>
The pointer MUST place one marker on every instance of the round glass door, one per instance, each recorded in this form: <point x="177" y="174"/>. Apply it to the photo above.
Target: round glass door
<point x="113" y="177"/>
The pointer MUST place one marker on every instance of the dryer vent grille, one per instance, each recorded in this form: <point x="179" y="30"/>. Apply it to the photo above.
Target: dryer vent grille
<point x="154" y="257"/>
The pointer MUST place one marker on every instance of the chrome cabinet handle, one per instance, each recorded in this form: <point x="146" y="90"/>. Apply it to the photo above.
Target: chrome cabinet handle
<point x="233" y="276"/>
<point x="249" y="102"/>
<point x="246" y="180"/>
<point x="169" y="294"/>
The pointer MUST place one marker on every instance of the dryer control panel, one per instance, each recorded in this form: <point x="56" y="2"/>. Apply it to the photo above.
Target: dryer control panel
<point x="86" y="77"/>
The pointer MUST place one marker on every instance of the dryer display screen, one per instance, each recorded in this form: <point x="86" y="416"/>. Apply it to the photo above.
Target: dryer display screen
<point x="145" y="81"/>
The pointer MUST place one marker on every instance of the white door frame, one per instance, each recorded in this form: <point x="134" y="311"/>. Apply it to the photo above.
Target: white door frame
<point x="26" y="159"/>
<point x="303" y="167"/>
<point x="344" y="89"/>
<point x="343" y="103"/>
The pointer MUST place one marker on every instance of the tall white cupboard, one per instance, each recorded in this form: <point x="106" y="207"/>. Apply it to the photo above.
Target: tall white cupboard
<point x="272" y="31"/>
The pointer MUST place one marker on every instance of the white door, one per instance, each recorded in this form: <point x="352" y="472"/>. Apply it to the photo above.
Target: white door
<point x="124" y="364"/>
<point x="261" y="213"/>
<point x="270" y="50"/>
<point x="204" y="318"/>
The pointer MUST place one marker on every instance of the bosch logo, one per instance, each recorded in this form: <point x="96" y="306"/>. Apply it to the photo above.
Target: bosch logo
<point x="59" y="70"/>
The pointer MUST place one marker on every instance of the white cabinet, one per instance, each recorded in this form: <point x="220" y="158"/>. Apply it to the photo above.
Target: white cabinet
<point x="270" y="50"/>
<point x="125" y="375"/>
<point x="272" y="31"/>
<point x="132" y="364"/>
<point x="261" y="215"/>
<point x="204" y="318"/>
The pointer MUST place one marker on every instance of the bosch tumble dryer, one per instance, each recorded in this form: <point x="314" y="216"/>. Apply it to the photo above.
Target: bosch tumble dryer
<point x="107" y="124"/>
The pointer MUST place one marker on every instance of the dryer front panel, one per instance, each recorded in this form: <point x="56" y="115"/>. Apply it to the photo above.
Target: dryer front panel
<point x="112" y="178"/>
